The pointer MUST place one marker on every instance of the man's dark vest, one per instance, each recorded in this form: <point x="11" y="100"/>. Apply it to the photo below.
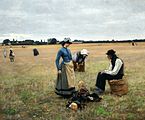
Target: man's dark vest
<point x="121" y="71"/>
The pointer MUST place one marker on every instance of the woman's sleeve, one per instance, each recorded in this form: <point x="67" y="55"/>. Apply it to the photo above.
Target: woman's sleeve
<point x="59" y="54"/>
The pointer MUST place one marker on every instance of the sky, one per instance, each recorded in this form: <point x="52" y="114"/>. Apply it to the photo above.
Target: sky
<point x="77" y="19"/>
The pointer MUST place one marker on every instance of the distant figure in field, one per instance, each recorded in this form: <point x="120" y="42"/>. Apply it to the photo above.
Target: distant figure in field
<point x="35" y="52"/>
<point x="65" y="85"/>
<point x="115" y="71"/>
<point x="79" y="60"/>
<point x="4" y="51"/>
<point x="132" y="43"/>
<point x="23" y="46"/>
<point x="12" y="55"/>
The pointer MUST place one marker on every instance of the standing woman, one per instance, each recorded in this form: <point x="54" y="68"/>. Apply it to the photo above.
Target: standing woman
<point x="65" y="79"/>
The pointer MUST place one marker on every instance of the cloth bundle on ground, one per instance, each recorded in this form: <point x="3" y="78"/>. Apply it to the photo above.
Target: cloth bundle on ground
<point x="82" y="96"/>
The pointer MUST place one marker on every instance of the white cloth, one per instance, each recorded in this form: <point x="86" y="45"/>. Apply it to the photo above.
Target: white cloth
<point x="74" y="57"/>
<point x="118" y="64"/>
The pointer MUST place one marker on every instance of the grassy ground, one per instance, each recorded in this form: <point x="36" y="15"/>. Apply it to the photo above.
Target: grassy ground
<point x="27" y="85"/>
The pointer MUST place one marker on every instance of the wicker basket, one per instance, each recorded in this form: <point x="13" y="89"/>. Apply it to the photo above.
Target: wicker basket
<point x="118" y="87"/>
<point x="79" y="67"/>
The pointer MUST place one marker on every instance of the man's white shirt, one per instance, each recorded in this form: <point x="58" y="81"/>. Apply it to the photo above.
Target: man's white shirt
<point x="118" y="64"/>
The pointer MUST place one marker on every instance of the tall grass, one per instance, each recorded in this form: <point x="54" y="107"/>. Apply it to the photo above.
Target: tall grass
<point x="27" y="85"/>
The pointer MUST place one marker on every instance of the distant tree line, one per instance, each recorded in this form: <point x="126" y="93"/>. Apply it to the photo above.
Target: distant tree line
<point x="30" y="42"/>
<point x="115" y="41"/>
<point x="55" y="41"/>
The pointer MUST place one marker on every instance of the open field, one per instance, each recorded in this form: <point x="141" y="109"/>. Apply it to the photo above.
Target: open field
<point x="27" y="85"/>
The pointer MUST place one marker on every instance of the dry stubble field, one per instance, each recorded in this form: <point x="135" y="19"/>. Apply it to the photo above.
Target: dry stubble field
<point x="27" y="85"/>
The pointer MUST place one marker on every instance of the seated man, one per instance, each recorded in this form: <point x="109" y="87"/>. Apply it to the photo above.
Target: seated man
<point x="115" y="71"/>
<point x="79" y="60"/>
